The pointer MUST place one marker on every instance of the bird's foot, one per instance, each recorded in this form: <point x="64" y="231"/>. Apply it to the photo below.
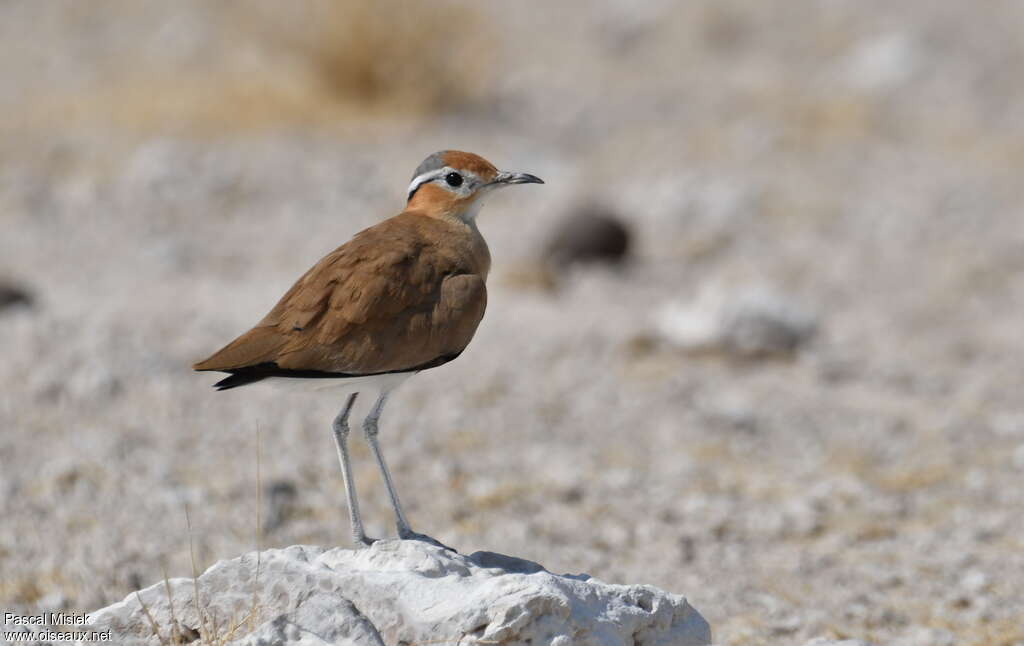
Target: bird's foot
<point x="407" y="534"/>
<point x="364" y="541"/>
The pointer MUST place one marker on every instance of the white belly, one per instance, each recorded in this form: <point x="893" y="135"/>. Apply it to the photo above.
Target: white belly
<point x="374" y="385"/>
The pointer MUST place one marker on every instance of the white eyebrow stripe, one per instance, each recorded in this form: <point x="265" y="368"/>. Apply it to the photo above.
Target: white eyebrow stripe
<point x="419" y="180"/>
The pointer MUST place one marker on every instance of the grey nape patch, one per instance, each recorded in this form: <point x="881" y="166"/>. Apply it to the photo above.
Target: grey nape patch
<point x="431" y="163"/>
<point x="428" y="169"/>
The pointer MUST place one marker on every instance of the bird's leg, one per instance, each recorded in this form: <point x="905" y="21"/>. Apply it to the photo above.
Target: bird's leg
<point x="340" y="427"/>
<point x="370" y="429"/>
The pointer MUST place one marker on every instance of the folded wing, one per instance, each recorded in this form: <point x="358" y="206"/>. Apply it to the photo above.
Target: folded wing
<point x="390" y="300"/>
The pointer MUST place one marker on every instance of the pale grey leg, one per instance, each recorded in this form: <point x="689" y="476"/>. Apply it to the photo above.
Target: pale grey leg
<point x="370" y="429"/>
<point x="340" y="427"/>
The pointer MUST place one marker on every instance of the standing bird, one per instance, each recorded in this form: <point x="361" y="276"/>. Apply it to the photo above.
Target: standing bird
<point x="402" y="296"/>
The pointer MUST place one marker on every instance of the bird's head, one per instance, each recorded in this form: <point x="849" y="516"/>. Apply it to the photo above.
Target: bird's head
<point x="453" y="183"/>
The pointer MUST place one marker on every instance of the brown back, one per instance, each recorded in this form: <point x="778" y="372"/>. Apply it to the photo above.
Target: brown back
<point x="401" y="294"/>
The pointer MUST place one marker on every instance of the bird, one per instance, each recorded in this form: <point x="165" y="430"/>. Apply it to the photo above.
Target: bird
<point x="400" y="297"/>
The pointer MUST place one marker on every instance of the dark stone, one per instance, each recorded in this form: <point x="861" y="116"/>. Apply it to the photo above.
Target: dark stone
<point x="588" y="234"/>
<point x="280" y="497"/>
<point x="14" y="296"/>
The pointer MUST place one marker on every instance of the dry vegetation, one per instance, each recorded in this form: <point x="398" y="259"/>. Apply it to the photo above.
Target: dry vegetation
<point x="318" y="63"/>
<point x="385" y="56"/>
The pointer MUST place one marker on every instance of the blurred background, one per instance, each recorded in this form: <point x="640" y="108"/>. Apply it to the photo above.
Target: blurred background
<point x="757" y="340"/>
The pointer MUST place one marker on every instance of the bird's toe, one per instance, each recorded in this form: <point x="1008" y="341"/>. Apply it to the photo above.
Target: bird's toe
<point x="409" y="535"/>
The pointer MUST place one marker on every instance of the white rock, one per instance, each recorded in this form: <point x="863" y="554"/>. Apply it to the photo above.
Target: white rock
<point x="397" y="592"/>
<point x="825" y="641"/>
<point x="926" y="636"/>
<point x="752" y="322"/>
<point x="1007" y="423"/>
<point x="974" y="581"/>
<point x="883" y="62"/>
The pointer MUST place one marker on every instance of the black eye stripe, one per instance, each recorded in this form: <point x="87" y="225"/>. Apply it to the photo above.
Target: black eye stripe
<point x="453" y="179"/>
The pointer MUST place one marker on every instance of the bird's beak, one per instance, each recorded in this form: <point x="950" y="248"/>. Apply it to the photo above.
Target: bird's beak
<point x="516" y="178"/>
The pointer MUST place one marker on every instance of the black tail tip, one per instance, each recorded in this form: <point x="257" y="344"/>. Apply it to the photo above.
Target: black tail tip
<point x="235" y="380"/>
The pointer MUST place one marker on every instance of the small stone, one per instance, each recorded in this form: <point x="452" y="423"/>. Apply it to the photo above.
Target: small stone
<point x="1018" y="457"/>
<point x="280" y="502"/>
<point x="752" y="323"/>
<point x="827" y="641"/>
<point x="588" y="234"/>
<point x="12" y="295"/>
<point x="1007" y="423"/>
<point x="927" y="636"/>
<point x="974" y="581"/>
<point x="882" y="62"/>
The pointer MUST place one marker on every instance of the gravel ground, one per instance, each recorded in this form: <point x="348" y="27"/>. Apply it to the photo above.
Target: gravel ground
<point x="860" y="161"/>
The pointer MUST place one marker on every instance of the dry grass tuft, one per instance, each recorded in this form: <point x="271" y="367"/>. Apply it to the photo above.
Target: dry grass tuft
<point x="208" y="630"/>
<point x="391" y="53"/>
<point x="268" y="65"/>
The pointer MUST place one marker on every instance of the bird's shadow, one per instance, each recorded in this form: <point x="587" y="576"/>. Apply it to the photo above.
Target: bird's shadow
<point x="515" y="565"/>
<point x="494" y="560"/>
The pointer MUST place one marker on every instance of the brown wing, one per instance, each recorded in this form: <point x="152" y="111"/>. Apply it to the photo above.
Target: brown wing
<point x="399" y="296"/>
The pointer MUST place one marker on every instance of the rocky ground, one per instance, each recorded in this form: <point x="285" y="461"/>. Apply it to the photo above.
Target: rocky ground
<point x="851" y="167"/>
<point x="400" y="592"/>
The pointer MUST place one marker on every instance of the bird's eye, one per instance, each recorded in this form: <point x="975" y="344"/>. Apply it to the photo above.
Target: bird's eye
<point x="453" y="179"/>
